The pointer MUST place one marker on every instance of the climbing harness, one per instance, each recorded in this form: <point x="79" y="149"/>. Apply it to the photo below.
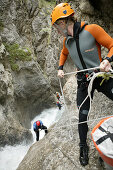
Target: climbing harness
<point x="91" y="77"/>
<point x="105" y="76"/>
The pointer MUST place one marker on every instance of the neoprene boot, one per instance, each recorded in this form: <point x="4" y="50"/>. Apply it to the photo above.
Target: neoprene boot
<point x="84" y="155"/>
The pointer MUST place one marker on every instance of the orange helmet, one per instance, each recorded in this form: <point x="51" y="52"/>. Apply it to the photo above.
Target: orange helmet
<point x="62" y="10"/>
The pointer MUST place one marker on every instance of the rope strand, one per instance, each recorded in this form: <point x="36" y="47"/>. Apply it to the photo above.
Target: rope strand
<point x="87" y="121"/>
<point x="89" y="92"/>
<point x="95" y="68"/>
<point x="63" y="97"/>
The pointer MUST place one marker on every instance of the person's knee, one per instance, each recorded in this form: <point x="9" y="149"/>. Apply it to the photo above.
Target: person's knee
<point x="83" y="115"/>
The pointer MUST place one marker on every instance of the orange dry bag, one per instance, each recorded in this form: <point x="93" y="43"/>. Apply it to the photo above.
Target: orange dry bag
<point x="102" y="136"/>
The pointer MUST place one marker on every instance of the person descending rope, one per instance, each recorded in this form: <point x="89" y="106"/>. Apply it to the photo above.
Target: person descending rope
<point x="59" y="105"/>
<point x="58" y="95"/>
<point x="58" y="100"/>
<point x="83" y="42"/>
<point x="38" y="125"/>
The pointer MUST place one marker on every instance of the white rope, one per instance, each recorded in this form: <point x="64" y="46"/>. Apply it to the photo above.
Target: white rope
<point x="91" y="78"/>
<point x="63" y="97"/>
<point x="66" y="108"/>
<point x="111" y="70"/>
<point x="62" y="94"/>
<point x="74" y="73"/>
<point x="95" y="68"/>
<point x="87" y="121"/>
<point x="90" y="89"/>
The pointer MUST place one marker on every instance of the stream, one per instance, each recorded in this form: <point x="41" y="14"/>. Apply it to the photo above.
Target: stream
<point x="11" y="156"/>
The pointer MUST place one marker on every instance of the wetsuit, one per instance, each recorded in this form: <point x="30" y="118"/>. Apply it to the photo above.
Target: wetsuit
<point x="90" y="40"/>
<point x="37" y="128"/>
<point x="59" y="105"/>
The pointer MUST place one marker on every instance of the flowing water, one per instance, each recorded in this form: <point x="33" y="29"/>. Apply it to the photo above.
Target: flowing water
<point x="11" y="156"/>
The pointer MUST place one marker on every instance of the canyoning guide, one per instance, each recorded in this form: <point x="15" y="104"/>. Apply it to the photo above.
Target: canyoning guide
<point x="83" y="43"/>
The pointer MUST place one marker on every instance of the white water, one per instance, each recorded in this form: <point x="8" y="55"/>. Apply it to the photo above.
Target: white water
<point x="11" y="156"/>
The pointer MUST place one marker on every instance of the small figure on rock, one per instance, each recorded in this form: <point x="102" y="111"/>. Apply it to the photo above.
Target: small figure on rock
<point x="59" y="105"/>
<point x="58" y="95"/>
<point x="37" y="126"/>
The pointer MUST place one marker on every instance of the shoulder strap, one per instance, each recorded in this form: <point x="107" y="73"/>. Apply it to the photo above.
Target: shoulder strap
<point x="108" y="135"/>
<point x="77" y="29"/>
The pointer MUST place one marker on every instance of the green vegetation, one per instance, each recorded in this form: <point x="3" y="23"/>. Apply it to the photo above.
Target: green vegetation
<point x="17" y="54"/>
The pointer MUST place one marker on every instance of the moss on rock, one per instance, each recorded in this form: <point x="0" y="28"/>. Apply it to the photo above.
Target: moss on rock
<point x="16" y="53"/>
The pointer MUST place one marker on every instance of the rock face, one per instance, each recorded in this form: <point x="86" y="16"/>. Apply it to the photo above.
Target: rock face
<point x="25" y="87"/>
<point x="29" y="52"/>
<point x="59" y="149"/>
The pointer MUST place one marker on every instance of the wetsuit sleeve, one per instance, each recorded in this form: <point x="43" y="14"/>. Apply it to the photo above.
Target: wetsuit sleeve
<point x="101" y="37"/>
<point x="36" y="129"/>
<point x="63" y="56"/>
<point x="34" y="126"/>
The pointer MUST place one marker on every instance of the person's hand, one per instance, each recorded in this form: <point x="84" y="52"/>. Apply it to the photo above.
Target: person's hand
<point x="60" y="73"/>
<point x="105" y="66"/>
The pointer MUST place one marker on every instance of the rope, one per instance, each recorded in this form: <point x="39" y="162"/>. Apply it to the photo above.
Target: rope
<point x="111" y="70"/>
<point x="63" y="97"/>
<point x="90" y="89"/>
<point x="62" y="93"/>
<point x="105" y="76"/>
<point x="87" y="121"/>
<point x="91" y="78"/>
<point x="66" y="108"/>
<point x="95" y="68"/>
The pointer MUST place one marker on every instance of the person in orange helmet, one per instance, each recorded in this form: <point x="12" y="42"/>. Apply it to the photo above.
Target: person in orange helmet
<point x="83" y="42"/>
<point x="38" y="125"/>
<point x="58" y="95"/>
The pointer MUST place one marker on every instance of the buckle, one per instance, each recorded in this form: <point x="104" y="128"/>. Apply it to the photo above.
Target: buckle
<point x="89" y="76"/>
